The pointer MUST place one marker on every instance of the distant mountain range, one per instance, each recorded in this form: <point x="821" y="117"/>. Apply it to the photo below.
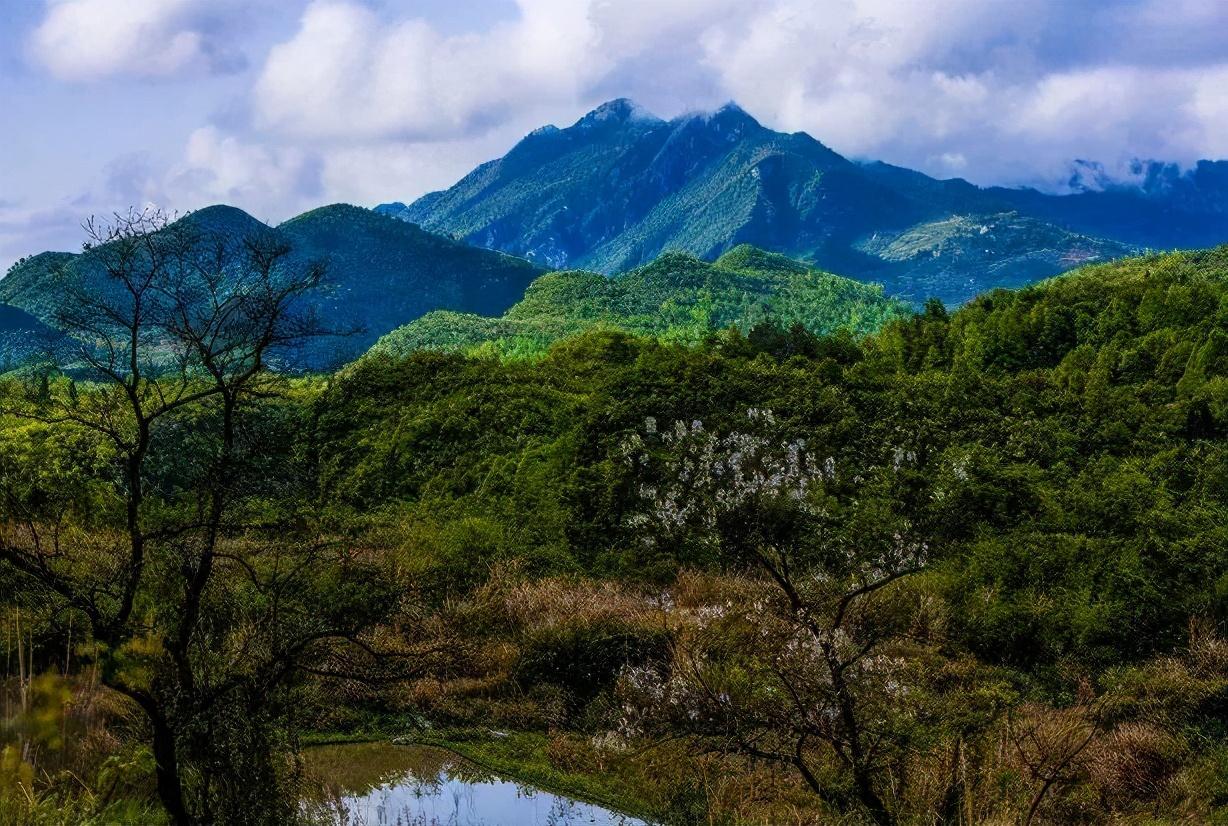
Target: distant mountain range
<point x="621" y="186"/>
<point x="621" y="189"/>
<point x="381" y="273"/>
<point x="677" y="298"/>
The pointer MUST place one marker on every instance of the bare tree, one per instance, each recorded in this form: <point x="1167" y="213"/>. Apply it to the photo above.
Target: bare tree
<point x="204" y="596"/>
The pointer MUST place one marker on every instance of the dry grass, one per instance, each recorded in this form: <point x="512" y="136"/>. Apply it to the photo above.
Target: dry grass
<point x="557" y="601"/>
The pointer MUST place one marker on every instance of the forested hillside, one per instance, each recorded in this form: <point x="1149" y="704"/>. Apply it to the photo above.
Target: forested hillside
<point x="393" y="433"/>
<point x="377" y="274"/>
<point x="967" y="569"/>
<point x="676" y="298"/>
<point x="620" y="186"/>
<point x="21" y="337"/>
<point x="1033" y="411"/>
<point x="1035" y="482"/>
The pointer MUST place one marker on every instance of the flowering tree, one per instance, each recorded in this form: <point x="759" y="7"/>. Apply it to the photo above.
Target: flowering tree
<point x="809" y="665"/>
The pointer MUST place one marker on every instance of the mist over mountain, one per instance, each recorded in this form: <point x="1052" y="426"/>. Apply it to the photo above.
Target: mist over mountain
<point x="621" y="186"/>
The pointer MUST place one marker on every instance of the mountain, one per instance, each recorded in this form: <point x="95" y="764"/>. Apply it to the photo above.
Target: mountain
<point x="621" y="186"/>
<point x="21" y="336"/>
<point x="678" y="297"/>
<point x="381" y="273"/>
<point x="1000" y="250"/>
<point x="1160" y="206"/>
<point x="29" y="284"/>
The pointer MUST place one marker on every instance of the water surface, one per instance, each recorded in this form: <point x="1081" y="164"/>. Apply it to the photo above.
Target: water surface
<point x="379" y="784"/>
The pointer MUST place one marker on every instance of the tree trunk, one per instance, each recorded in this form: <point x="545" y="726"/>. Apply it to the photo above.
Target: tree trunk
<point x="870" y="800"/>
<point x="862" y="774"/>
<point x="170" y="785"/>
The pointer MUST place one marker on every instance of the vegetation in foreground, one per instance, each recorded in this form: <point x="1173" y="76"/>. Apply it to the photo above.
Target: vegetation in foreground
<point x="968" y="569"/>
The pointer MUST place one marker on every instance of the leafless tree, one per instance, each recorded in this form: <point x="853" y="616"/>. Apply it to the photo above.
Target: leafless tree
<point x="202" y="604"/>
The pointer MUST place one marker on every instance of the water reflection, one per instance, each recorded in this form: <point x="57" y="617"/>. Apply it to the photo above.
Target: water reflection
<point x="379" y="784"/>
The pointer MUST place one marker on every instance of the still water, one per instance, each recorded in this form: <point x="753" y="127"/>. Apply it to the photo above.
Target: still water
<point x="379" y="784"/>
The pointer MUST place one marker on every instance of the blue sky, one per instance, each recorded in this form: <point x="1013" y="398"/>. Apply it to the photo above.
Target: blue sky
<point x="280" y="105"/>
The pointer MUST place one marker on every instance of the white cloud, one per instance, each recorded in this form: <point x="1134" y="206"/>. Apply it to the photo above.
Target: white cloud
<point x="394" y="170"/>
<point x="365" y="102"/>
<point x="268" y="181"/>
<point x="348" y="75"/>
<point x="1013" y="90"/>
<point x="1207" y="111"/>
<point x="82" y="40"/>
<point x="1006" y="87"/>
<point x="275" y="181"/>
<point x="25" y="230"/>
<point x="954" y="162"/>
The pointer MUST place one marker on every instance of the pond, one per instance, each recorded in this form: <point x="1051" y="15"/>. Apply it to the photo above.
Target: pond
<point x="381" y="784"/>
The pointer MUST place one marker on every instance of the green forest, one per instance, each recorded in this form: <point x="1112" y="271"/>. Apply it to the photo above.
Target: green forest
<point x="677" y="298"/>
<point x="803" y="558"/>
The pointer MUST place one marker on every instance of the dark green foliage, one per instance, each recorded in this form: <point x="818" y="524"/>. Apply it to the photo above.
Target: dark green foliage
<point x="1068" y="442"/>
<point x="1062" y="450"/>
<point x="25" y="284"/>
<point x="584" y="660"/>
<point x="386" y="273"/>
<point x="676" y="298"/>
<point x="22" y="336"/>
<point x="380" y="274"/>
<point x="1002" y="249"/>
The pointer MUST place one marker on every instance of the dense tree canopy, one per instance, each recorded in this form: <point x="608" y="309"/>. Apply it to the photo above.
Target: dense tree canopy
<point x="1067" y="442"/>
<point x="971" y="565"/>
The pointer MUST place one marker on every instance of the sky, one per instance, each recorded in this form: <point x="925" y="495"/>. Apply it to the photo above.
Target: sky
<point x="277" y="106"/>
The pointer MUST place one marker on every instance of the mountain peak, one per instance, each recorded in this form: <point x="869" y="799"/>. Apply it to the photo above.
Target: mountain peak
<point x="733" y="118"/>
<point x="619" y="110"/>
<point x="729" y="118"/>
<point x="612" y="193"/>
<point x="337" y="211"/>
<point x="732" y="109"/>
<point x="223" y="218"/>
